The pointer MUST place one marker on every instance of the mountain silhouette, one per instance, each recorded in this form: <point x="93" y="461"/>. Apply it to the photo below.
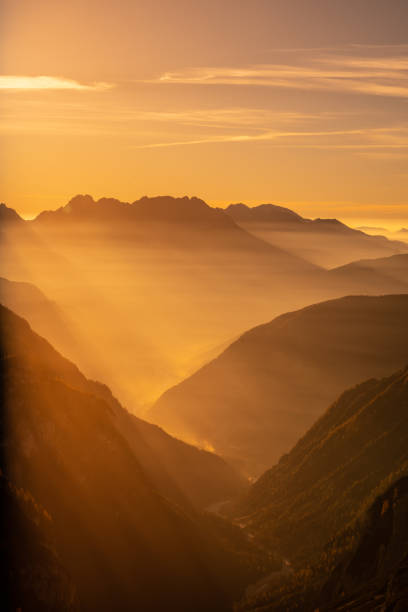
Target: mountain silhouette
<point x="183" y="222"/>
<point x="125" y="533"/>
<point x="254" y="401"/>
<point x="170" y="272"/>
<point x="46" y="318"/>
<point x="326" y="242"/>
<point x="177" y="277"/>
<point x="8" y="216"/>
<point x="387" y="271"/>
<point x="270" y="213"/>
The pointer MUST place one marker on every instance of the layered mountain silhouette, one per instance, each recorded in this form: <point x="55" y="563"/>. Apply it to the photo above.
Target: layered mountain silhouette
<point x="102" y="510"/>
<point x="254" y="401"/>
<point x="370" y="273"/>
<point x="177" y="277"/>
<point x="46" y="318"/>
<point x="326" y="242"/>
<point x="163" y="220"/>
<point x="120" y="494"/>
<point x="337" y="504"/>
<point x="170" y="272"/>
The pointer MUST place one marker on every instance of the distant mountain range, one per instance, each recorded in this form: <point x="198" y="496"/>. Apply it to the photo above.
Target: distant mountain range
<point x="312" y="505"/>
<point x="262" y="393"/>
<point x="169" y="271"/>
<point x="326" y="242"/>
<point x="164" y="220"/>
<point x="179" y="279"/>
<point x="385" y="274"/>
<point x="121" y="494"/>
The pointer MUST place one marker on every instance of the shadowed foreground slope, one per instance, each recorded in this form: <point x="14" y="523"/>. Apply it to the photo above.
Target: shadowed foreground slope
<point x="318" y="487"/>
<point x="370" y="573"/>
<point x="312" y="506"/>
<point x="126" y="536"/>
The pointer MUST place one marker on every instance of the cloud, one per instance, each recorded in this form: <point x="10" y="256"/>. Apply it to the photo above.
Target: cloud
<point x="352" y="139"/>
<point x="370" y="75"/>
<point x="18" y="82"/>
<point x="22" y="114"/>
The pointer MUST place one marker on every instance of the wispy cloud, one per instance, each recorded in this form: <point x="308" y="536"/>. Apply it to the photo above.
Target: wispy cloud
<point x="18" y="82"/>
<point x="33" y="115"/>
<point x="379" y="75"/>
<point x="353" y="139"/>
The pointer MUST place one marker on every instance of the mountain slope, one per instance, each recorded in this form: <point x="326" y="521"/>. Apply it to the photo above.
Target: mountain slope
<point x="182" y="472"/>
<point x="376" y="575"/>
<point x="26" y="300"/>
<point x="255" y="400"/>
<point x="124" y="533"/>
<point x="361" y="441"/>
<point x="32" y="577"/>
<point x="8" y="216"/>
<point x="391" y="271"/>
<point x="370" y="572"/>
<point x="316" y="505"/>
<point x="326" y="242"/>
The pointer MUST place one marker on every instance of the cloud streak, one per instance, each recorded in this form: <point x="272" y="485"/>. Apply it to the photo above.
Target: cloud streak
<point x="381" y="76"/>
<point x="31" y="115"/>
<point x="18" y="82"/>
<point x="354" y="139"/>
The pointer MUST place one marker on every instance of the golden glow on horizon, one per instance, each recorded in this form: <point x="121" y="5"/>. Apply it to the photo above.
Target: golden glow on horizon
<point x="197" y="102"/>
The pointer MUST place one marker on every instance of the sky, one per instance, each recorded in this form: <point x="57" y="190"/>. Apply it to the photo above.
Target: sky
<point x="301" y="103"/>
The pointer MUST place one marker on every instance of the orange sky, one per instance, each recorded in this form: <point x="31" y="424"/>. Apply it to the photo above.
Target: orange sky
<point x="302" y="103"/>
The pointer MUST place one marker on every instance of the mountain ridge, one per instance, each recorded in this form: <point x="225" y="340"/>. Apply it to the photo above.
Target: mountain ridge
<point x="327" y="242"/>
<point x="271" y="392"/>
<point x="336" y="504"/>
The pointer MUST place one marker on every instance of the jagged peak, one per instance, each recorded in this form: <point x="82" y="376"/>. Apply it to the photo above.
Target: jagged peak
<point x="191" y="210"/>
<point x="263" y="212"/>
<point x="8" y="214"/>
